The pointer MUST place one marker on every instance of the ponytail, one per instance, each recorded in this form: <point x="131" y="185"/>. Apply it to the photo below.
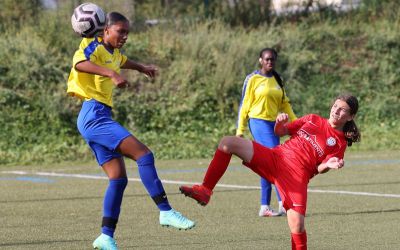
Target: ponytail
<point x="278" y="78"/>
<point x="350" y="130"/>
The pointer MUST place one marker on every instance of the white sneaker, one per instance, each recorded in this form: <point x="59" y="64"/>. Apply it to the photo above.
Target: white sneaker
<point x="266" y="211"/>
<point x="281" y="211"/>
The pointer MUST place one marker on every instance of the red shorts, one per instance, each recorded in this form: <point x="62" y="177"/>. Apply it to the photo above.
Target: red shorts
<point x="290" y="180"/>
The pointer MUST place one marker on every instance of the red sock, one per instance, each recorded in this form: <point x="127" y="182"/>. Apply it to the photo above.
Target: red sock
<point x="216" y="169"/>
<point x="299" y="241"/>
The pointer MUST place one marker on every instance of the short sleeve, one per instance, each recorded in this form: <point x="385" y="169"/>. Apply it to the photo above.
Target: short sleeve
<point x="124" y="58"/>
<point x="86" y="51"/>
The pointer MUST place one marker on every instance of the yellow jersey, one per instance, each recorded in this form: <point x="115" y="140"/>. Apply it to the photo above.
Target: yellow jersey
<point x="262" y="99"/>
<point x="91" y="86"/>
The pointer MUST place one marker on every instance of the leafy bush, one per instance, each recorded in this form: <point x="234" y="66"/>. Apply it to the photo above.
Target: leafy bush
<point x="194" y="100"/>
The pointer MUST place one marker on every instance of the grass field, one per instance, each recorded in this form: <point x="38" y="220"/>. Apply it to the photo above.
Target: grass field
<point x="59" y="207"/>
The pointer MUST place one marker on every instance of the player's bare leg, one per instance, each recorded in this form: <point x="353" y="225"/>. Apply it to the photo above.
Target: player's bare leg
<point x="297" y="229"/>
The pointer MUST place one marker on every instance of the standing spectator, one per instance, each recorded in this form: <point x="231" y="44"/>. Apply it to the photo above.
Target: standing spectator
<point x="263" y="98"/>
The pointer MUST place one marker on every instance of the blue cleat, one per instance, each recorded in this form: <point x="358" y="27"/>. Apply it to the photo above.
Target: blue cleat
<point x="105" y="242"/>
<point x="175" y="219"/>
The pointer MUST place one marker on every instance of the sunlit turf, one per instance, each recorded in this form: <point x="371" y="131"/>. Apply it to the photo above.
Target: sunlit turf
<point x="64" y="212"/>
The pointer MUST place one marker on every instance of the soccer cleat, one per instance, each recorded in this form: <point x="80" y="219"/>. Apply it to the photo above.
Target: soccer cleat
<point x="105" y="242"/>
<point x="268" y="212"/>
<point x="175" y="219"/>
<point x="198" y="192"/>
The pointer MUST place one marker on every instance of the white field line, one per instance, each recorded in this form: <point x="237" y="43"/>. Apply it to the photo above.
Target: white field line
<point x="96" y="177"/>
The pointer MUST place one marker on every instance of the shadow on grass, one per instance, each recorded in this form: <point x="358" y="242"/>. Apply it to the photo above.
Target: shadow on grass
<point x="396" y="210"/>
<point x="67" y="199"/>
<point x="205" y="245"/>
<point x="102" y="197"/>
<point x="43" y="242"/>
<point x="357" y="184"/>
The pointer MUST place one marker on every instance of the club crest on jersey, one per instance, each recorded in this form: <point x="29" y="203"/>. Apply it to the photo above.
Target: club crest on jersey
<point x="331" y="141"/>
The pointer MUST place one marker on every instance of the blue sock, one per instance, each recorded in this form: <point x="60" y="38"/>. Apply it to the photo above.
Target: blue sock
<point x="152" y="183"/>
<point x="112" y="205"/>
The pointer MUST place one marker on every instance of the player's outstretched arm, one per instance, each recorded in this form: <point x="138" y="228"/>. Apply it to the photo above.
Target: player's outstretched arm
<point x="149" y="70"/>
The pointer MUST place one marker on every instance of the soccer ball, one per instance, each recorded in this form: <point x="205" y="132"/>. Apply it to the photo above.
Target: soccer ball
<point x="88" y="19"/>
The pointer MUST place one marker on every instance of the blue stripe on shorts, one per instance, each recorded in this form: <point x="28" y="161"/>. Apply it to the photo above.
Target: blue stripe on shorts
<point x="100" y="131"/>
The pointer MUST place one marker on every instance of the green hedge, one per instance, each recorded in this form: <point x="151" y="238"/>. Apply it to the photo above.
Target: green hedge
<point x="194" y="100"/>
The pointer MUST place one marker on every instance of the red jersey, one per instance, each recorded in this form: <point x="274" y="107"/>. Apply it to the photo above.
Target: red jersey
<point x="291" y="165"/>
<point x="313" y="141"/>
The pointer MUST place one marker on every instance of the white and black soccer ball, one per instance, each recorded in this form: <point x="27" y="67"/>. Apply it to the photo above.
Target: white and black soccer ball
<point x="88" y="19"/>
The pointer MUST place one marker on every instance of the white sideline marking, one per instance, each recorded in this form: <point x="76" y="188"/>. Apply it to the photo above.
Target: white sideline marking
<point x="86" y="176"/>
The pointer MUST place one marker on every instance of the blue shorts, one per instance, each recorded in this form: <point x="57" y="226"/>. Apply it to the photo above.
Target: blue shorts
<point x="100" y="131"/>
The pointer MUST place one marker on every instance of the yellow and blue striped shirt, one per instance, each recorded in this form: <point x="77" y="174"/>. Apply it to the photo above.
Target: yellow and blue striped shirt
<point x="90" y="86"/>
<point x="261" y="99"/>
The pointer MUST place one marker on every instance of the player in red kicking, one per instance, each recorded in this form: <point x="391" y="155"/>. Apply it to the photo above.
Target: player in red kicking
<point x="316" y="145"/>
